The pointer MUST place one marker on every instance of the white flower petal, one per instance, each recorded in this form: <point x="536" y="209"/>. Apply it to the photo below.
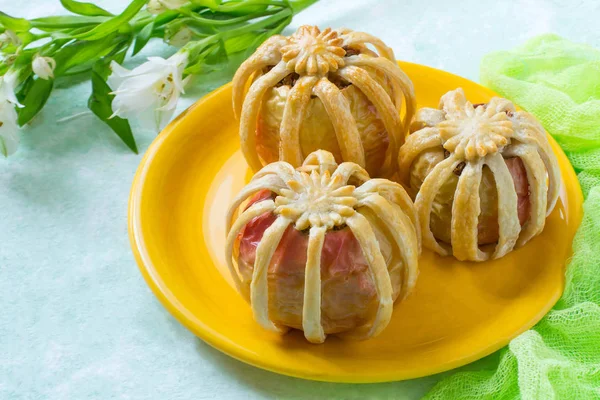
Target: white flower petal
<point x="8" y="82"/>
<point x="128" y="105"/>
<point x="164" y="118"/>
<point x="118" y="70"/>
<point x="147" y="119"/>
<point x="178" y="83"/>
<point x="139" y="83"/>
<point x="9" y="130"/>
<point x="179" y="59"/>
<point x="170" y="104"/>
<point x="156" y="60"/>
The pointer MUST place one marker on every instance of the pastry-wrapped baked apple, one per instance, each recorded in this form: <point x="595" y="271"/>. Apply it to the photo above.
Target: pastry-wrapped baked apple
<point x="322" y="248"/>
<point x="482" y="174"/>
<point x="323" y="90"/>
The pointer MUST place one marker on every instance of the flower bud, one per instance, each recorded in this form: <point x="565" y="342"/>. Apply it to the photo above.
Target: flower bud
<point x="43" y="66"/>
<point x="9" y="59"/>
<point x="159" y="6"/>
<point x="9" y="37"/>
<point x="179" y="37"/>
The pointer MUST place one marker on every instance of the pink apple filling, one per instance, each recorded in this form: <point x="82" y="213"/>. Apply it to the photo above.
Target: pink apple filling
<point x="348" y="295"/>
<point x="441" y="215"/>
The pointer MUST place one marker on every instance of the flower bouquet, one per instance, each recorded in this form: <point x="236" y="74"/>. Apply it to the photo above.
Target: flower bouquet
<point x="95" y="42"/>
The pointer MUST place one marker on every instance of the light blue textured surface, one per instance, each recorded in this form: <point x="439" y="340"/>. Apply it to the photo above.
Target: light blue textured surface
<point x="76" y="318"/>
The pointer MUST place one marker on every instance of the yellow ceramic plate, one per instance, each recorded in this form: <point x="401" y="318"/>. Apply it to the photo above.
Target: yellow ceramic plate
<point x="458" y="313"/>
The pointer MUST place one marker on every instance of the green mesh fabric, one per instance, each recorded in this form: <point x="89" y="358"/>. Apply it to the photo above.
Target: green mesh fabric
<point x="559" y="82"/>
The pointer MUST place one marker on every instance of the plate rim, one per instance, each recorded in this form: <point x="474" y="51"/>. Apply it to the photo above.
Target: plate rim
<point x="212" y="337"/>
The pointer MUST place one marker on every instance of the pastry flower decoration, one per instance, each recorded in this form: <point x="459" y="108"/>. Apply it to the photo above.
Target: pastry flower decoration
<point x="471" y="133"/>
<point x="322" y="248"/>
<point x="316" y="200"/>
<point x="312" y="52"/>
<point x="323" y="90"/>
<point x="482" y="174"/>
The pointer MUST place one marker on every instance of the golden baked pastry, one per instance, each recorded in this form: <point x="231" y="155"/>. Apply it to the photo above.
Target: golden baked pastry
<point x="322" y="248"/>
<point x="482" y="174"/>
<point x="323" y="90"/>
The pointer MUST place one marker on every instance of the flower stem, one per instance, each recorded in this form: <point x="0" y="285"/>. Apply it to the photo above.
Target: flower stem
<point x="230" y="21"/>
<point x="286" y="12"/>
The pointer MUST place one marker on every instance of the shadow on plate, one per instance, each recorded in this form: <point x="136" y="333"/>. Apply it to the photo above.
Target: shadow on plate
<point x="273" y="385"/>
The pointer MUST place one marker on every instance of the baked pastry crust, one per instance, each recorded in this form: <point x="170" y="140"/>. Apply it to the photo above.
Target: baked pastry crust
<point x="474" y="137"/>
<point x="318" y="198"/>
<point x="316" y="59"/>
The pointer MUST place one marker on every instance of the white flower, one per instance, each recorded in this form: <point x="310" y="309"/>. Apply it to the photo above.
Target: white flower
<point x="43" y="66"/>
<point x="9" y="130"/>
<point x="8" y="82"/>
<point x="159" y="6"/>
<point x="9" y="37"/>
<point x="150" y="91"/>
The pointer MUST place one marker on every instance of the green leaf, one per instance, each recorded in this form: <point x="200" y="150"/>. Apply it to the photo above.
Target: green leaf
<point x="82" y="52"/>
<point x="100" y="104"/>
<point x="108" y="27"/>
<point x="33" y="94"/>
<point x="79" y="69"/>
<point x="117" y="55"/>
<point x="165" y="17"/>
<point x="63" y="36"/>
<point x="82" y="8"/>
<point x="66" y="21"/>
<point x="201" y="29"/>
<point x="142" y="38"/>
<point x="15" y="24"/>
<point x="102" y="66"/>
<point x="22" y="64"/>
<point x="26" y="38"/>
<point x="242" y="42"/>
<point x="211" y="59"/>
